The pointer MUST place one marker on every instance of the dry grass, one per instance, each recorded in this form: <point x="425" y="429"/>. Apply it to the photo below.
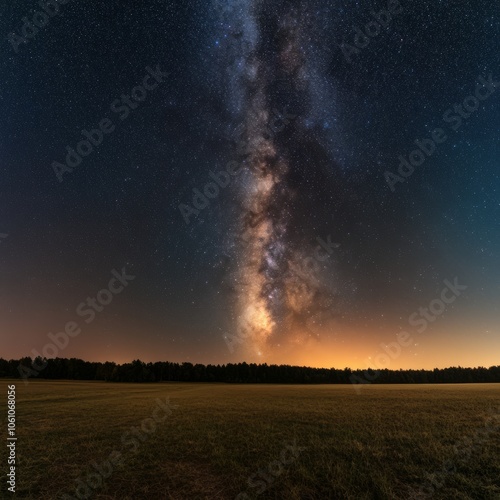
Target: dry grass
<point x="376" y="445"/>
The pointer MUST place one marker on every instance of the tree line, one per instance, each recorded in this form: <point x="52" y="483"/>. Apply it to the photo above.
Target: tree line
<point x="251" y="373"/>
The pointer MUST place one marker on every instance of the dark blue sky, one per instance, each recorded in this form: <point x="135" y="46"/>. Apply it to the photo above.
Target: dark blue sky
<point x="351" y="121"/>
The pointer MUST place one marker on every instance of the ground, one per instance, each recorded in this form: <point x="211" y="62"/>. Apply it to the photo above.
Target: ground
<point x="218" y="441"/>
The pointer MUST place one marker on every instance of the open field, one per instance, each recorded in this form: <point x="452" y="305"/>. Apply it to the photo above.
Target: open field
<point x="255" y="441"/>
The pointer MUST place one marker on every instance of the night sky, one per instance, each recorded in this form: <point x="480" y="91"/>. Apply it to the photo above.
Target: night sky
<point x="308" y="251"/>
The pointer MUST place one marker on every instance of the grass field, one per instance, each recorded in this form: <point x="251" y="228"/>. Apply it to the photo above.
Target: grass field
<point x="255" y="441"/>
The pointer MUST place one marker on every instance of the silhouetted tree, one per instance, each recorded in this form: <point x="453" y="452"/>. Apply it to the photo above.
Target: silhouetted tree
<point x="164" y="371"/>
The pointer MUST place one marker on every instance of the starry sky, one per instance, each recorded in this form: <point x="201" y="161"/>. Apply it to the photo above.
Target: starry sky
<point x="241" y="164"/>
